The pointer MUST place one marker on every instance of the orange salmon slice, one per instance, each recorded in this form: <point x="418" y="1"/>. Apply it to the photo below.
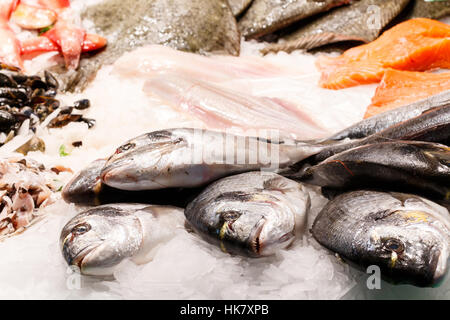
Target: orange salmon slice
<point x="398" y="88"/>
<point x="414" y="45"/>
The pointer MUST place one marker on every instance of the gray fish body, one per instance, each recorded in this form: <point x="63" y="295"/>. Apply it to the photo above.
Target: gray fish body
<point x="432" y="125"/>
<point x="99" y="239"/>
<point x="386" y="119"/>
<point x="416" y="167"/>
<point x="360" y="21"/>
<point x="252" y="214"/>
<point x="239" y="6"/>
<point x="195" y="26"/>
<point x="194" y="157"/>
<point x="267" y="16"/>
<point x="428" y="9"/>
<point x="87" y="188"/>
<point x="406" y="236"/>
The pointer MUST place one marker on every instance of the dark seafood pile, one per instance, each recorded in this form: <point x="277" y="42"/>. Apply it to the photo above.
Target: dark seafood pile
<point x="25" y="186"/>
<point x="33" y="98"/>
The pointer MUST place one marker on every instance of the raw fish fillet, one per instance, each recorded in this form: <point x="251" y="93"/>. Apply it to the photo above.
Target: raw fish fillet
<point x="416" y="45"/>
<point x="222" y="108"/>
<point x="155" y="59"/>
<point x="398" y="88"/>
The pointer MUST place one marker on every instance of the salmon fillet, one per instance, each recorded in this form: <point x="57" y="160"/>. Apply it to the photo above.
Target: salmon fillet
<point x="415" y="45"/>
<point x="398" y="88"/>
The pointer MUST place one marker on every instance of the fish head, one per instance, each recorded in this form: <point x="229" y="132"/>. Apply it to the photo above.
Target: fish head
<point x="97" y="240"/>
<point x="254" y="227"/>
<point x="138" y="163"/>
<point x="85" y="186"/>
<point x="408" y="245"/>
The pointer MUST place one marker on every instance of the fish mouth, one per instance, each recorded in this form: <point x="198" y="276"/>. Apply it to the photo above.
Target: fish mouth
<point x="256" y="245"/>
<point x="78" y="258"/>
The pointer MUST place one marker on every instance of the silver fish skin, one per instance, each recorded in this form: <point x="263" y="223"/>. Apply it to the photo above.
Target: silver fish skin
<point x="194" y="157"/>
<point x="406" y="236"/>
<point x="412" y="166"/>
<point x="386" y="119"/>
<point x="267" y="16"/>
<point x="432" y="125"/>
<point x="360" y="21"/>
<point x="99" y="239"/>
<point x="252" y="214"/>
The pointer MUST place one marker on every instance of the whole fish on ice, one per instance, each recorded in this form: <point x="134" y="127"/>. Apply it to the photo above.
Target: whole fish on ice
<point x="267" y="16"/>
<point x="406" y="236"/>
<point x="195" y="157"/>
<point x="87" y="188"/>
<point x="99" y="239"/>
<point x="253" y="214"/>
<point x="416" y="167"/>
<point x="360" y="21"/>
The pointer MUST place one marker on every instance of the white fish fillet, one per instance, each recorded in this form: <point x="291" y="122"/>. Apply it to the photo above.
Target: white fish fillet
<point x="222" y="109"/>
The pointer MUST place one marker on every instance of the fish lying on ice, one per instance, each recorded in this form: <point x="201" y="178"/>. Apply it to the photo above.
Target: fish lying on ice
<point x="267" y="16"/>
<point x="411" y="166"/>
<point x="196" y="26"/>
<point x="400" y="87"/>
<point x="432" y="125"/>
<point x="222" y="109"/>
<point x="253" y="214"/>
<point x="239" y="6"/>
<point x="416" y="45"/>
<point x="87" y="188"/>
<point x="360" y="21"/>
<point x="195" y="157"/>
<point x="99" y="239"/>
<point x="406" y="236"/>
<point x="388" y="118"/>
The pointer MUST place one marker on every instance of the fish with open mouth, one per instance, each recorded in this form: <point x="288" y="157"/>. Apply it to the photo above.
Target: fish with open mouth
<point x="360" y="21"/>
<point x="186" y="158"/>
<point x="195" y="26"/>
<point x="406" y="236"/>
<point x="253" y="214"/>
<point x="99" y="239"/>
<point x="412" y="166"/>
<point x="267" y="16"/>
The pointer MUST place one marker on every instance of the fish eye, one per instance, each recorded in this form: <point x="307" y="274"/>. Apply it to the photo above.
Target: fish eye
<point x="394" y="245"/>
<point x="230" y="216"/>
<point x="125" y="147"/>
<point x="81" y="228"/>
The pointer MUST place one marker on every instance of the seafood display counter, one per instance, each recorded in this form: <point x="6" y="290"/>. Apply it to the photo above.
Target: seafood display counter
<point x="224" y="149"/>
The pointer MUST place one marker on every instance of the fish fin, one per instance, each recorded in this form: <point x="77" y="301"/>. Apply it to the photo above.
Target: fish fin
<point x="309" y="42"/>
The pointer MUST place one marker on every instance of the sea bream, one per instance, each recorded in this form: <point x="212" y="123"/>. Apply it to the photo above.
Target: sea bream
<point x="87" y="188"/>
<point x="252" y="214"/>
<point x="406" y="236"/>
<point x="194" y="157"/>
<point x="412" y="166"/>
<point x="99" y="239"/>
<point x="360" y="21"/>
